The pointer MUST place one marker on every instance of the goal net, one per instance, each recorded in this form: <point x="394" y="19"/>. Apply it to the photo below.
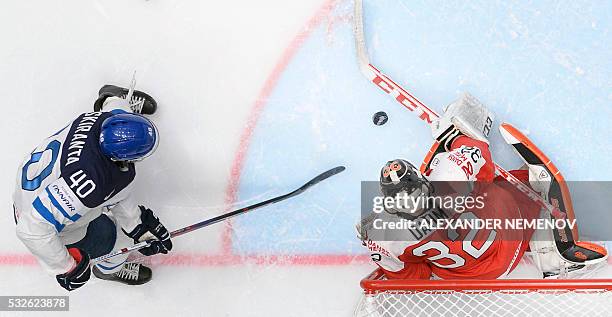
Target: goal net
<point x="517" y="297"/>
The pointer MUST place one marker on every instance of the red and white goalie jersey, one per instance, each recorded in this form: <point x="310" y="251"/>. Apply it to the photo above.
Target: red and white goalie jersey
<point x="457" y="253"/>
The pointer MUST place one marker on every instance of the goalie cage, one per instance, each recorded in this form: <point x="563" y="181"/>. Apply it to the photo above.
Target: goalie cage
<point x="512" y="297"/>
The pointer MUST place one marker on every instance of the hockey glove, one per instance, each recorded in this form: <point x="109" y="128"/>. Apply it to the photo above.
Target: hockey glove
<point x="151" y="229"/>
<point x="78" y="276"/>
<point x="467" y="116"/>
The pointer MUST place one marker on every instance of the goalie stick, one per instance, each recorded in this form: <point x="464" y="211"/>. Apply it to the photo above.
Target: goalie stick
<point x="428" y="115"/>
<point x="321" y="177"/>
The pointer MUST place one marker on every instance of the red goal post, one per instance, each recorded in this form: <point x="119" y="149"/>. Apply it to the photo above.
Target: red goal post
<point x="510" y="297"/>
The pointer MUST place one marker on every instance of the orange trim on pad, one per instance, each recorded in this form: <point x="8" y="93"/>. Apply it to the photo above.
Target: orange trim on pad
<point x="567" y="199"/>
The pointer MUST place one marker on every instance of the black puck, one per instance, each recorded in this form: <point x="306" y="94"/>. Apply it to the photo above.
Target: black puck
<point x="380" y="118"/>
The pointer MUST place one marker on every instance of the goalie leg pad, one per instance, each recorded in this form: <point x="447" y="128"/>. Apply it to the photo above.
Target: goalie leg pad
<point x="545" y="178"/>
<point x="547" y="259"/>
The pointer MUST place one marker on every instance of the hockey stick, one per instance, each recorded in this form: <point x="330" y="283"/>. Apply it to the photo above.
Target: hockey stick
<point x="208" y="222"/>
<point x="428" y="115"/>
<point x="423" y="112"/>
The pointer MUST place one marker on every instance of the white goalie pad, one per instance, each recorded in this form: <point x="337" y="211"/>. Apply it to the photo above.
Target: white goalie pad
<point x="546" y="257"/>
<point x="468" y="115"/>
<point x="543" y="252"/>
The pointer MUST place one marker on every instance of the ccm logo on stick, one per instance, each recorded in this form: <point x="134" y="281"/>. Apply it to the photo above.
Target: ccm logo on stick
<point x="408" y="101"/>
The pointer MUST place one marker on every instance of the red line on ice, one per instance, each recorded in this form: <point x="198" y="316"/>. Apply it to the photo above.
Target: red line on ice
<point x="260" y="102"/>
<point x="226" y="256"/>
<point x="195" y="259"/>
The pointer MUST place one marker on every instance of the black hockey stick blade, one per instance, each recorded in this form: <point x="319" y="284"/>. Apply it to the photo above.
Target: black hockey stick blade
<point x="321" y="177"/>
<point x="205" y="223"/>
<point x="303" y="188"/>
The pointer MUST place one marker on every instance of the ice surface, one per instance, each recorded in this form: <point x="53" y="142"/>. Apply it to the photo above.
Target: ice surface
<point x="542" y="66"/>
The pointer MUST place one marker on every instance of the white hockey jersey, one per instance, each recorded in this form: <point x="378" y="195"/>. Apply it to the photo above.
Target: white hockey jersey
<point x="65" y="183"/>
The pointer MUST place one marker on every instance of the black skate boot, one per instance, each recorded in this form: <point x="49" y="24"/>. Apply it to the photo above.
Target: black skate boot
<point x="141" y="102"/>
<point x="131" y="273"/>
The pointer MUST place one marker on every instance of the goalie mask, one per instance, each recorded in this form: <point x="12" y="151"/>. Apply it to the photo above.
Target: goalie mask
<point x="402" y="181"/>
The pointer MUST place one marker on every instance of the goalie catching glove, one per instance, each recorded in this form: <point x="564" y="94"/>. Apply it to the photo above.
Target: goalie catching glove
<point x="152" y="230"/>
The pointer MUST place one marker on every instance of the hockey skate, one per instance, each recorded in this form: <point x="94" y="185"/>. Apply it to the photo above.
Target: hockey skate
<point x="131" y="273"/>
<point x="140" y="102"/>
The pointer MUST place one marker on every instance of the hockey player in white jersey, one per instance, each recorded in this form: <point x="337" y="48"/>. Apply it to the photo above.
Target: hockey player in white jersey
<point x="72" y="200"/>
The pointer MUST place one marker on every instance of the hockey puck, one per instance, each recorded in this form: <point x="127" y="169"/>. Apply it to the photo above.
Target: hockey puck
<point x="380" y="118"/>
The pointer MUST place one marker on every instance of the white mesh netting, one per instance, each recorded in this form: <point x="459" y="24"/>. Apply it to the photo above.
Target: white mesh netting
<point x="548" y="301"/>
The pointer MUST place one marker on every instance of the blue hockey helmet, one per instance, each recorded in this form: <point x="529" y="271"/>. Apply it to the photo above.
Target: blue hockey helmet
<point x="128" y="137"/>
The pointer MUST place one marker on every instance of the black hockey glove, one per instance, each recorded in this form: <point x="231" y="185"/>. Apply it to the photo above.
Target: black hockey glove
<point x="78" y="276"/>
<point x="151" y="229"/>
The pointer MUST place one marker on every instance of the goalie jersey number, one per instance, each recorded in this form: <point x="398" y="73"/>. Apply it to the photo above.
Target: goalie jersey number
<point x="450" y="259"/>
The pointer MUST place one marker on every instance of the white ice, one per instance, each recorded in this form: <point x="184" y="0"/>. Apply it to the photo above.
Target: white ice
<point x="205" y="62"/>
